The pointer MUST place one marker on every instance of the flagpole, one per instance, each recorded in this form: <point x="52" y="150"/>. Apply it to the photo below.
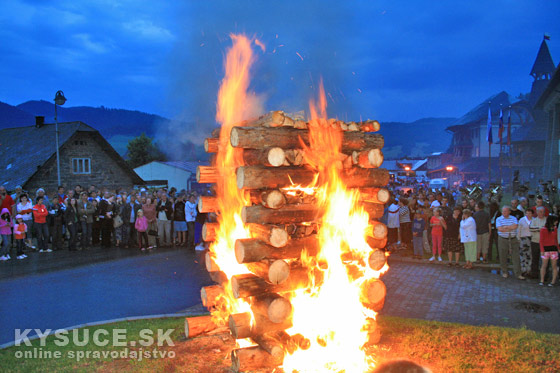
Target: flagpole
<point x="510" y="149"/>
<point x="489" y="140"/>
<point x="500" y="130"/>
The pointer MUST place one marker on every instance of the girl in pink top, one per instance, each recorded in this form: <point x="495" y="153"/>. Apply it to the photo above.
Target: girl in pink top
<point x="438" y="225"/>
<point x="141" y="226"/>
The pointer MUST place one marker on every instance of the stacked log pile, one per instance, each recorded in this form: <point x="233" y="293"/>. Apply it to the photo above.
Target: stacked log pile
<point x="283" y="222"/>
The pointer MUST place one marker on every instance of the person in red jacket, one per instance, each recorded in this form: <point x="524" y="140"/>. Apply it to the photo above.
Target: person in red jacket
<point x="549" y="249"/>
<point x="40" y="213"/>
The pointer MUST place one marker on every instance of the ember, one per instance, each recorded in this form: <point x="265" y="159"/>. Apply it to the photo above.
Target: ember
<point x="296" y="247"/>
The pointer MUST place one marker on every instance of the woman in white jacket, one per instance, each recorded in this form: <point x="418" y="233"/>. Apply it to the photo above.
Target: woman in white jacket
<point x="468" y="237"/>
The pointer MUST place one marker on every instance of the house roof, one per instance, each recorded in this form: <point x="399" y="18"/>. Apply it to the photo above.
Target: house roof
<point x="25" y="149"/>
<point x="543" y="63"/>
<point x="480" y="112"/>
<point x="552" y="87"/>
<point x="185" y="165"/>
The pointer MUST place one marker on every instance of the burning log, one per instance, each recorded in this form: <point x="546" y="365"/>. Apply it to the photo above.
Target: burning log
<point x="372" y="158"/>
<point x="275" y="307"/>
<point x="271" y="345"/>
<point x="273" y="157"/>
<point x="375" y="243"/>
<point x="365" y="177"/>
<point x="287" y="214"/>
<point x="369" y="126"/>
<point x="270" y="234"/>
<point x="252" y="358"/>
<point x="273" y="199"/>
<point x="377" y="260"/>
<point x="211" y="265"/>
<point x="209" y="231"/>
<point x="272" y="119"/>
<point x="207" y="175"/>
<point x="195" y="326"/>
<point x="375" y="292"/>
<point x="295" y="157"/>
<point x="377" y="230"/>
<point x="376" y="195"/>
<point x="375" y="210"/>
<point x="218" y="277"/>
<point x="302" y="230"/>
<point x="289" y="138"/>
<point x="210" y="294"/>
<point x="243" y="325"/>
<point x="275" y="272"/>
<point x="249" y="285"/>
<point x="211" y="145"/>
<point x="207" y="204"/>
<point x="251" y="250"/>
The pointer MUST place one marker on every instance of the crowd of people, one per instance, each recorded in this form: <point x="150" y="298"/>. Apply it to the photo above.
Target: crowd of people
<point x="77" y="219"/>
<point x="446" y="220"/>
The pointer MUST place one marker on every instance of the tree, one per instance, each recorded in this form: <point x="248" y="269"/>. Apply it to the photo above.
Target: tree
<point x="141" y="150"/>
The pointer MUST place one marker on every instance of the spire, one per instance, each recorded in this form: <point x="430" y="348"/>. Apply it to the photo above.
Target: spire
<point x="543" y="63"/>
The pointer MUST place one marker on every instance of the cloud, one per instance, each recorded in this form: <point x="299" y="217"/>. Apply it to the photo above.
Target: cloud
<point x="93" y="46"/>
<point x="148" y="30"/>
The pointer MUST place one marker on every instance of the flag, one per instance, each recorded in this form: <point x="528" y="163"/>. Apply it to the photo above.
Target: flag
<point x="546" y="37"/>
<point x="501" y="126"/>
<point x="489" y="127"/>
<point x="509" y="128"/>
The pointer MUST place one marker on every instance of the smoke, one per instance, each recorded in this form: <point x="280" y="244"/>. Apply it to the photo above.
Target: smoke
<point x="304" y="41"/>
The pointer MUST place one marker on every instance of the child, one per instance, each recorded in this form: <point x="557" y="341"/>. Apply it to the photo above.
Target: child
<point x="6" y="225"/>
<point x="418" y="226"/>
<point x="438" y="224"/>
<point x="20" y="230"/>
<point x="141" y="226"/>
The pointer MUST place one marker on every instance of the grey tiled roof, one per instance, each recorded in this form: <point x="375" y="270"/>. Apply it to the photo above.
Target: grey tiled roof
<point x="481" y="110"/>
<point x="24" y="149"/>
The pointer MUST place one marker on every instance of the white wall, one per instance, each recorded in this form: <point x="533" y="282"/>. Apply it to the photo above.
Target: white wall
<point x="175" y="177"/>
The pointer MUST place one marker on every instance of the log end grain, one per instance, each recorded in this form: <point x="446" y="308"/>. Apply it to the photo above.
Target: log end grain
<point x="280" y="310"/>
<point x="377" y="260"/>
<point x="276" y="156"/>
<point x="278" y="272"/>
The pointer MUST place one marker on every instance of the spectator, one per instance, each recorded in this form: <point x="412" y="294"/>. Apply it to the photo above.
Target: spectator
<point x="164" y="210"/>
<point x="190" y="217"/>
<point x="179" y="222"/>
<point x="464" y="204"/>
<point x="121" y="230"/>
<point x="96" y="225"/>
<point x="61" y="196"/>
<point x="392" y="222"/>
<point x="537" y="223"/>
<point x="405" y="223"/>
<point x="20" y="230"/>
<point x="508" y="242"/>
<point x="106" y="214"/>
<point x="524" y="236"/>
<point x="129" y="217"/>
<point x="141" y="226"/>
<point x="86" y="212"/>
<point x="523" y="204"/>
<point x="40" y="213"/>
<point x="514" y="211"/>
<point x="472" y="204"/>
<point x="6" y="201"/>
<point x="451" y="236"/>
<point x="468" y="238"/>
<point x="483" y="228"/>
<point x="435" y="202"/>
<point x="494" y="214"/>
<point x="438" y="224"/>
<point x="549" y="249"/>
<point x="446" y="210"/>
<point x="149" y="210"/>
<point x="71" y="218"/>
<point x="18" y="191"/>
<point x="418" y="227"/>
<point x="6" y="225"/>
<point x="56" y="214"/>
<point x="25" y="209"/>
<point x="41" y="193"/>
<point x="539" y="202"/>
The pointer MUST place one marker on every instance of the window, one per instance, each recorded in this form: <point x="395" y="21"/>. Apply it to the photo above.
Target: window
<point x="81" y="165"/>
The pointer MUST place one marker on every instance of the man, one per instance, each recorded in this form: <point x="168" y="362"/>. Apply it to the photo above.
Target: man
<point x="523" y="204"/>
<point x="472" y="204"/>
<point x="434" y="201"/>
<point x="78" y="190"/>
<point x="61" y="196"/>
<point x="446" y="211"/>
<point x="164" y="210"/>
<point x="535" y="228"/>
<point x="514" y="211"/>
<point x="508" y="243"/>
<point x="483" y="227"/>
<point x="85" y="217"/>
<point x="57" y="219"/>
<point x="540" y="203"/>
<point x="190" y="217"/>
<point x="393" y="222"/>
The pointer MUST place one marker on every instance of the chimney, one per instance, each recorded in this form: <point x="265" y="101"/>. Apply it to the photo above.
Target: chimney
<point x="39" y="121"/>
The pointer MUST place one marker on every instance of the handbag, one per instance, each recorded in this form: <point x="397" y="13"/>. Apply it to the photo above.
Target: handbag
<point x="152" y="232"/>
<point x="117" y="221"/>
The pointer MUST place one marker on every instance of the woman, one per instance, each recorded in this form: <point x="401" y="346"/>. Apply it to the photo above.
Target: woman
<point x="179" y="222"/>
<point x="549" y="249"/>
<point x="524" y="236"/>
<point x="149" y="209"/>
<point x="25" y="209"/>
<point x="118" y="221"/>
<point x="465" y="204"/>
<point x="71" y="219"/>
<point x="405" y="223"/>
<point x="106" y="213"/>
<point x="96" y="225"/>
<point x="452" y="237"/>
<point x="468" y="238"/>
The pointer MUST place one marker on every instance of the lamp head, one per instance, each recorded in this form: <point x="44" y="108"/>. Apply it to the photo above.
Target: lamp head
<point x="59" y="98"/>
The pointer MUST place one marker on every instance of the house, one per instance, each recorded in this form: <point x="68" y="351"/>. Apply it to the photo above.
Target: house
<point x="549" y="102"/>
<point x="177" y="174"/>
<point x="86" y="158"/>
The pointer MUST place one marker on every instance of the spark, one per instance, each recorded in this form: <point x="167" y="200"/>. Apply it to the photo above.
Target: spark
<point x="299" y="55"/>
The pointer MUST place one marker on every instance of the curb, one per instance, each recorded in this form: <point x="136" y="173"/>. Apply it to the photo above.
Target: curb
<point x="96" y="323"/>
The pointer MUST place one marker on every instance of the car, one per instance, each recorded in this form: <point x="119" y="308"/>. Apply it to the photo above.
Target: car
<point x="438" y="184"/>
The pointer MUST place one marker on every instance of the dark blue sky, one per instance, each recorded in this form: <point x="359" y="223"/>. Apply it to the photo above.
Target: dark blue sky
<point x="389" y="60"/>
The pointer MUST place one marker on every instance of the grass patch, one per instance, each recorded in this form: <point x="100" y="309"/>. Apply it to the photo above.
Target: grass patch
<point x="443" y="347"/>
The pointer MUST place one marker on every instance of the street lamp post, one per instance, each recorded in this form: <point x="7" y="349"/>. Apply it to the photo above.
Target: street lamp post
<point x="59" y="99"/>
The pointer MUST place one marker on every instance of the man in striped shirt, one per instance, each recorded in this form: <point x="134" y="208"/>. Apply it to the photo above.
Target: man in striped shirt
<point x="508" y="242"/>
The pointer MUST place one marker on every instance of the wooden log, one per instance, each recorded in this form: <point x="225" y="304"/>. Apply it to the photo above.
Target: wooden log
<point x="211" y="145"/>
<point x="210" y="295"/>
<point x="275" y="272"/>
<point x="218" y="277"/>
<point x="209" y="231"/>
<point x="375" y="243"/>
<point x="273" y="199"/>
<point x="375" y="292"/>
<point x="258" y="177"/>
<point x="250" y="250"/>
<point x="369" y="126"/>
<point x="375" y="210"/>
<point x="377" y="230"/>
<point x="249" y="285"/>
<point x="271" y="345"/>
<point x="287" y="214"/>
<point x="353" y="126"/>
<point x="301" y="230"/>
<point x="275" y="307"/>
<point x="207" y="204"/>
<point x="271" y="234"/>
<point x="211" y="265"/>
<point x="273" y="157"/>
<point x="289" y="138"/>
<point x="207" y="175"/>
<point x="374" y="333"/>
<point x="295" y="157"/>
<point x="377" y="260"/>
<point x="195" y="326"/>
<point x="272" y="119"/>
<point x="365" y="177"/>
<point x="243" y="325"/>
<point x="252" y="358"/>
<point x="376" y="195"/>
<point x="372" y="158"/>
